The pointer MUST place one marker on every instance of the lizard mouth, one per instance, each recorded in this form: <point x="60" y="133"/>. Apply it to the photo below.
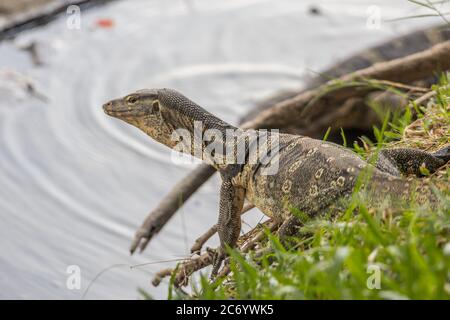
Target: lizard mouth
<point x="114" y="110"/>
<point x="109" y="108"/>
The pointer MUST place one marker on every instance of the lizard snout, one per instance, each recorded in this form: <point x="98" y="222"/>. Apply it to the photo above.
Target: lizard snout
<point x="118" y="108"/>
<point x="108" y="107"/>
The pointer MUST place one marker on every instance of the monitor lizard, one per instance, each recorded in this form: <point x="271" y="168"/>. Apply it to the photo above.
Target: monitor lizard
<point x="312" y="175"/>
<point x="353" y="120"/>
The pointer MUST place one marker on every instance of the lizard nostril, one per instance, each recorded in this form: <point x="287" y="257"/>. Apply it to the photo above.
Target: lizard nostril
<point x="107" y="106"/>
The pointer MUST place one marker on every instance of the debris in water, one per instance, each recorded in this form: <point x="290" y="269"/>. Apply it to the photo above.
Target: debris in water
<point x="11" y="78"/>
<point x="32" y="49"/>
<point x="315" y="11"/>
<point x="105" y="23"/>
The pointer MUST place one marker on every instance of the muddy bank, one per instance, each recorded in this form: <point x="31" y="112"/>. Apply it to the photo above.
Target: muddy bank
<point x="19" y="15"/>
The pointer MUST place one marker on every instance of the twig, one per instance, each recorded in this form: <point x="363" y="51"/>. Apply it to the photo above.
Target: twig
<point x="424" y="98"/>
<point x="248" y="245"/>
<point x="186" y="269"/>
<point x="169" y="205"/>
<point x="200" y="241"/>
<point x="161" y="275"/>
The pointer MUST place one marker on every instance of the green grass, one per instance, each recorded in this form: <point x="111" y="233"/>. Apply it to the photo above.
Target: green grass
<point x="338" y="259"/>
<point x="364" y="252"/>
<point x="432" y="7"/>
<point x="359" y="255"/>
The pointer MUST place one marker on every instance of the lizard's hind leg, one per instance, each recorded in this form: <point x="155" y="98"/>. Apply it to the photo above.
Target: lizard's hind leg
<point x="409" y="161"/>
<point x="443" y="154"/>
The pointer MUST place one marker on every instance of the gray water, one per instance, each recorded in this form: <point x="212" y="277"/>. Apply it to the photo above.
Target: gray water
<point x="75" y="184"/>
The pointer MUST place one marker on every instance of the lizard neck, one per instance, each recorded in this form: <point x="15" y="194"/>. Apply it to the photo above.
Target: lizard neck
<point x="193" y="130"/>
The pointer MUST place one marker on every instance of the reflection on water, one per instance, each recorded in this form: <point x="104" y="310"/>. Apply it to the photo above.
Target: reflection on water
<point x="75" y="184"/>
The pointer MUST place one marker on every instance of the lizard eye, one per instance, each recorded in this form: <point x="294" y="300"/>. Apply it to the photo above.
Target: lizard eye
<point x="155" y="106"/>
<point x="131" y="99"/>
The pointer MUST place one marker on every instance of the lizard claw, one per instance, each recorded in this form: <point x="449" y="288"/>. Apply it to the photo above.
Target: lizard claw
<point x="218" y="256"/>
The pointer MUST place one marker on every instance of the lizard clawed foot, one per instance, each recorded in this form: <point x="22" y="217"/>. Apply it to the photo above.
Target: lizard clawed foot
<point x="218" y="256"/>
<point x="443" y="154"/>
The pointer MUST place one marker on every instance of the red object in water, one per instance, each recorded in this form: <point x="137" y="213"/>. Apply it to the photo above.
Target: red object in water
<point x="105" y="23"/>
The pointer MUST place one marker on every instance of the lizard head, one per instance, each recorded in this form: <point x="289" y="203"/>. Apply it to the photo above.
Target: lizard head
<point x="144" y="110"/>
<point x="159" y="112"/>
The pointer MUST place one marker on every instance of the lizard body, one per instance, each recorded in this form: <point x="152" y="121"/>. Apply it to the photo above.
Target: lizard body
<point x="354" y="115"/>
<point x="311" y="176"/>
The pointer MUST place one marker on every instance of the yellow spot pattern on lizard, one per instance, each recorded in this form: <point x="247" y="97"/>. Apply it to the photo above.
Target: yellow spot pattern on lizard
<point x="340" y="181"/>
<point x="318" y="173"/>
<point x="263" y="179"/>
<point x="313" y="191"/>
<point x="292" y="145"/>
<point x="311" y="152"/>
<point x="295" y="166"/>
<point x="286" y="187"/>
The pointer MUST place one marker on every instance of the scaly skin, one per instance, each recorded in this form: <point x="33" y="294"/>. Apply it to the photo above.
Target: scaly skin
<point x="312" y="175"/>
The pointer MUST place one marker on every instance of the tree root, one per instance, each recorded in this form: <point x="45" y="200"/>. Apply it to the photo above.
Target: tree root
<point x="310" y="103"/>
<point x="169" y="205"/>
<point x="200" y="241"/>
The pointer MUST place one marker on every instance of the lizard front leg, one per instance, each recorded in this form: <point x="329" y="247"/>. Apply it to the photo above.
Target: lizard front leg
<point x="229" y="224"/>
